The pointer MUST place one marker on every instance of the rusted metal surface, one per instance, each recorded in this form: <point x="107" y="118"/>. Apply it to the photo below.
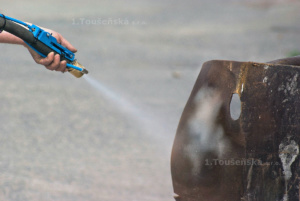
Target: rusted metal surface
<point x="253" y="158"/>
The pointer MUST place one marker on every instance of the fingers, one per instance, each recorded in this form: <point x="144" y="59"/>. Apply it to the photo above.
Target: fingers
<point x="62" y="66"/>
<point x="47" y="60"/>
<point x="53" y="63"/>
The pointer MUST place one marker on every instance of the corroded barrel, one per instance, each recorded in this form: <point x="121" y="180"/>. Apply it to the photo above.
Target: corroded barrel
<point x="253" y="157"/>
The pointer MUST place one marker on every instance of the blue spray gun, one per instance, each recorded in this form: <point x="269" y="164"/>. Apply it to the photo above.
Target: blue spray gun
<point x="42" y="42"/>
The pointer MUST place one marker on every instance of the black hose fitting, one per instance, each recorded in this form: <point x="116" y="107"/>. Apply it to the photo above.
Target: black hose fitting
<point x="3" y="26"/>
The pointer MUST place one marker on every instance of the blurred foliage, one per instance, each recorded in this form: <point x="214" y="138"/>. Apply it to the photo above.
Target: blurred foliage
<point x="293" y="53"/>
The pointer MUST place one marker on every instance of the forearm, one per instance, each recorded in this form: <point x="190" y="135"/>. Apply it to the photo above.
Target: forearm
<point x="6" y="37"/>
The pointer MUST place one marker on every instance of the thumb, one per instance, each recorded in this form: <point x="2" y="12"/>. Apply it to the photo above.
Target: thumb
<point x="68" y="45"/>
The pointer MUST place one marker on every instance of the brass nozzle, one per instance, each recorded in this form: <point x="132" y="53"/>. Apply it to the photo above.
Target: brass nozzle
<point x="75" y="72"/>
<point x="85" y="71"/>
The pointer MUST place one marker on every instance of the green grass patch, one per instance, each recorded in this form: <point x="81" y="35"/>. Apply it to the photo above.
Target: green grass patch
<point x="293" y="53"/>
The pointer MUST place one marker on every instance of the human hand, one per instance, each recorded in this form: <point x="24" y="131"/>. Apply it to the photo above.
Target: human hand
<point x="52" y="62"/>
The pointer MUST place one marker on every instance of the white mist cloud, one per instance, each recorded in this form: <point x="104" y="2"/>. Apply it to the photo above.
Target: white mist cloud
<point x="205" y="134"/>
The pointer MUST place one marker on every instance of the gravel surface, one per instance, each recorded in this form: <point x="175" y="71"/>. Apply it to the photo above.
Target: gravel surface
<point x="63" y="139"/>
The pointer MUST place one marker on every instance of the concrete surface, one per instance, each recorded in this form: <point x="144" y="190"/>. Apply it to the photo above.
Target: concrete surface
<point x="61" y="139"/>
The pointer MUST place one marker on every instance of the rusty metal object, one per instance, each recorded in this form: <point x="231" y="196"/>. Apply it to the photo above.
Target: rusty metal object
<point x="253" y="158"/>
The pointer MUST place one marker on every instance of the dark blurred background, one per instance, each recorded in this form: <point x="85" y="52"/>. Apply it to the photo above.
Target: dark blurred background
<point x="63" y="139"/>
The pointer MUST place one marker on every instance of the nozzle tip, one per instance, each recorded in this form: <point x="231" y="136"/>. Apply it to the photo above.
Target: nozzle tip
<point x="85" y="71"/>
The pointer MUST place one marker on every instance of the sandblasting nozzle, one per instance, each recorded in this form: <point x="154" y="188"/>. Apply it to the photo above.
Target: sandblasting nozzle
<point x="75" y="72"/>
<point x="85" y="71"/>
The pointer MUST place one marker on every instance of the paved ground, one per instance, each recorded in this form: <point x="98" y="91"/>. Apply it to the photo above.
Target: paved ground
<point x="61" y="139"/>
